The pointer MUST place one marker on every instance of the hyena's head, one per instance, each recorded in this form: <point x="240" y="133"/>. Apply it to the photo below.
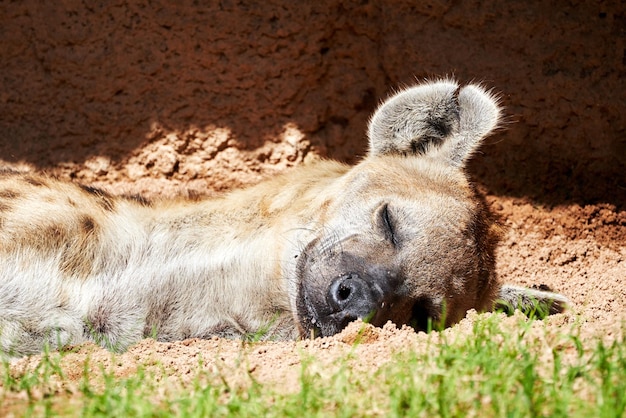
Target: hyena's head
<point x="405" y="237"/>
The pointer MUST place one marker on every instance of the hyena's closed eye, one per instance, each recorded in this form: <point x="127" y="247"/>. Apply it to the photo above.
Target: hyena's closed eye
<point x="437" y="119"/>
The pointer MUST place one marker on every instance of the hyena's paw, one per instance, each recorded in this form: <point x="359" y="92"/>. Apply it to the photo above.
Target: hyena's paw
<point x="435" y="118"/>
<point x="535" y="302"/>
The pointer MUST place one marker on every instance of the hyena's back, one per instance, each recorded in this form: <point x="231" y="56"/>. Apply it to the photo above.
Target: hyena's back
<point x="41" y="217"/>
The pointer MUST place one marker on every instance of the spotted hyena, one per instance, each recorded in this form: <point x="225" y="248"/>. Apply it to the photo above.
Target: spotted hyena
<point x="402" y="236"/>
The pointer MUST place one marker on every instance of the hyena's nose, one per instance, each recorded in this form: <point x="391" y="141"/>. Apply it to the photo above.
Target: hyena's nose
<point x="350" y="297"/>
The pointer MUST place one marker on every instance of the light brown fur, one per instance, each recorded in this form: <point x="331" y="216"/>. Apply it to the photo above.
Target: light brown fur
<point x="402" y="236"/>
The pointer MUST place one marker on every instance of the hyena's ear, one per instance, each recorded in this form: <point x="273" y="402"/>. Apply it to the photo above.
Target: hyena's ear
<point x="436" y="119"/>
<point x="532" y="302"/>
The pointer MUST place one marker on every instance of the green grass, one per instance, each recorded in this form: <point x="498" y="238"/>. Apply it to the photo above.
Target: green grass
<point x="496" y="370"/>
<point x="499" y="374"/>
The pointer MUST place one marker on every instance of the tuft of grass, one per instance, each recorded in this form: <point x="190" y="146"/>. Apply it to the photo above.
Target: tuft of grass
<point x="501" y="368"/>
<point x="509" y="373"/>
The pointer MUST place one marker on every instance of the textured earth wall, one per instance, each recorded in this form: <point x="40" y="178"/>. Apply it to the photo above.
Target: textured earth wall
<point x="209" y="95"/>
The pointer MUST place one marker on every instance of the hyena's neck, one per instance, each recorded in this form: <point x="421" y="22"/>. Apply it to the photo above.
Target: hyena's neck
<point x="235" y="275"/>
<point x="242" y="248"/>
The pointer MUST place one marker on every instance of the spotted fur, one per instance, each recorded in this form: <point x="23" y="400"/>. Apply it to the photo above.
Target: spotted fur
<point x="401" y="236"/>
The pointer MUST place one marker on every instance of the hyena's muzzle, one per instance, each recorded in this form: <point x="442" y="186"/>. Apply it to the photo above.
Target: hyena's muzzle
<point x="339" y="290"/>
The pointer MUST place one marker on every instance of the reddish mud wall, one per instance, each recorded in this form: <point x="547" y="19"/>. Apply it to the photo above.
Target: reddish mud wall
<point x="213" y="94"/>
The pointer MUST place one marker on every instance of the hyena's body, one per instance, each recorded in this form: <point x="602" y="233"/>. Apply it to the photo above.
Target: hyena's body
<point x="401" y="236"/>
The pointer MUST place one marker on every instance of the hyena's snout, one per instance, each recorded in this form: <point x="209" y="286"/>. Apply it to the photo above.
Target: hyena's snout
<point x="378" y="300"/>
<point x="331" y="299"/>
<point x="351" y="297"/>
